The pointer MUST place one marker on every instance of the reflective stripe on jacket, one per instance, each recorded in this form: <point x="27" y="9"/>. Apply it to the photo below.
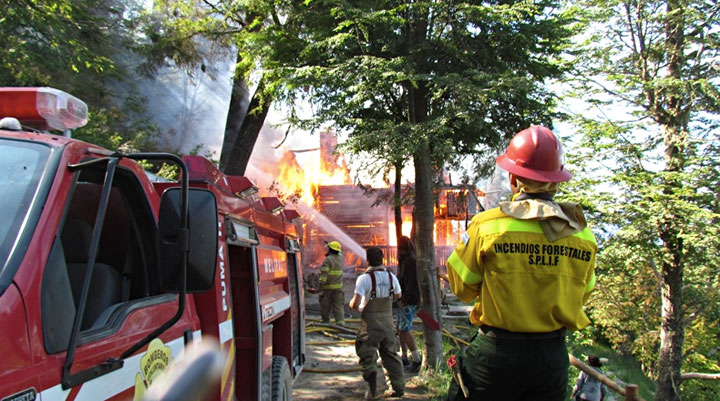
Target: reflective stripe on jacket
<point x="520" y="280"/>
<point x="331" y="272"/>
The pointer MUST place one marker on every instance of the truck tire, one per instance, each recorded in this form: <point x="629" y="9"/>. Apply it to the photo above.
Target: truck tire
<point x="266" y="384"/>
<point x="281" y="379"/>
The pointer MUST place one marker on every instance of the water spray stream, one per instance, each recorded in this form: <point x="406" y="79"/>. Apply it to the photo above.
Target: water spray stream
<point x="313" y="216"/>
<point x="310" y="214"/>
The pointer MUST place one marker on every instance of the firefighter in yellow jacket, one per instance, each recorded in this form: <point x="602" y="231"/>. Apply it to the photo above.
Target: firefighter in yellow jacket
<point x="332" y="299"/>
<point x="528" y="265"/>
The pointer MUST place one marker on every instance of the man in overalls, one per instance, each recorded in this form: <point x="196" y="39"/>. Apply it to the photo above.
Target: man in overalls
<point x="374" y="294"/>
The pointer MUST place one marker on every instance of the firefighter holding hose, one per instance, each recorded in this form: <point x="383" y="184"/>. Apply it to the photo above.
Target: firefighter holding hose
<point x="529" y="267"/>
<point x="332" y="298"/>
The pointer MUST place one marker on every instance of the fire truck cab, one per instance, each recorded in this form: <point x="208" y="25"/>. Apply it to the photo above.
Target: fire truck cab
<point x="106" y="275"/>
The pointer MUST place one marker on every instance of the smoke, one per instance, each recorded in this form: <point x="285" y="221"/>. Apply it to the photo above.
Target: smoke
<point x="497" y="190"/>
<point x="266" y="152"/>
<point x="189" y="106"/>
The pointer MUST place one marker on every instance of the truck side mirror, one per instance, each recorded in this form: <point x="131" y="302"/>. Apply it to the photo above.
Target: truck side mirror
<point x="202" y="220"/>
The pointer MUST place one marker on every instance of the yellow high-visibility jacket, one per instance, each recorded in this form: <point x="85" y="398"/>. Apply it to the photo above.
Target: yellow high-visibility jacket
<point x="331" y="272"/>
<point x="519" y="280"/>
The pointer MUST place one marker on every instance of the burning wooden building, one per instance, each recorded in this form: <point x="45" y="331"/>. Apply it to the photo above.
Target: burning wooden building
<point x="335" y="209"/>
<point x="371" y="222"/>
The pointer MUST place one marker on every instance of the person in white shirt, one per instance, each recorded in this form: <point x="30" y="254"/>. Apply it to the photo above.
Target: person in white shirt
<point x="374" y="292"/>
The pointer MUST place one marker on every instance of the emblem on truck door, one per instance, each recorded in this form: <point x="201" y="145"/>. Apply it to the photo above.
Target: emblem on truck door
<point x="152" y="364"/>
<point x="26" y="395"/>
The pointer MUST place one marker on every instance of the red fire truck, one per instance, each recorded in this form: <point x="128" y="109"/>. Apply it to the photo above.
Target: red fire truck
<point x="106" y="274"/>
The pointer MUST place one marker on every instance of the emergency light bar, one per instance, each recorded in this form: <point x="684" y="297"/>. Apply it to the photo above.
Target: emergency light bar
<point x="43" y="108"/>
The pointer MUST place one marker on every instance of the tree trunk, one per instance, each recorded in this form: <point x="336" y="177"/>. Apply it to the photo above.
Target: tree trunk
<point x="424" y="216"/>
<point x="397" y="200"/>
<point x="236" y="115"/>
<point x="424" y="219"/>
<point x="250" y="128"/>
<point x="427" y="273"/>
<point x="672" y="331"/>
<point x="672" y="335"/>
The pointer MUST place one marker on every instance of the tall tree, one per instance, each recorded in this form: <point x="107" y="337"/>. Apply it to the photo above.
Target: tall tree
<point x="657" y="62"/>
<point x="431" y="80"/>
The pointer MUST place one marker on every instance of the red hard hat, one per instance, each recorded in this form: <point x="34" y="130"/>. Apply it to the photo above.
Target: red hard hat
<point x="535" y="153"/>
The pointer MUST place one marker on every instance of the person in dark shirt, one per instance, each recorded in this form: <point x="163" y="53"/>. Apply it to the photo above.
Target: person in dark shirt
<point x="408" y="304"/>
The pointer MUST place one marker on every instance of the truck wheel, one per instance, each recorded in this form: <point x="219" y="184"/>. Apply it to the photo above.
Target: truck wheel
<point x="266" y="384"/>
<point x="281" y="380"/>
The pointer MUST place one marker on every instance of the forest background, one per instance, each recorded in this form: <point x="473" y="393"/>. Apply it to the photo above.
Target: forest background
<point x="433" y="85"/>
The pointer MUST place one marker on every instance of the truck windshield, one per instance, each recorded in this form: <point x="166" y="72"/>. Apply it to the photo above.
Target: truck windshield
<point x="21" y="168"/>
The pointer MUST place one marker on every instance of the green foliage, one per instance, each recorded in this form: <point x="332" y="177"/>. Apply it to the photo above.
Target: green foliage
<point x="115" y="128"/>
<point x="184" y="33"/>
<point x="627" y="203"/>
<point x="79" y="47"/>
<point x="169" y="171"/>
<point x="437" y="381"/>
<point x="649" y="161"/>
<point x="48" y="41"/>
<point x="481" y="67"/>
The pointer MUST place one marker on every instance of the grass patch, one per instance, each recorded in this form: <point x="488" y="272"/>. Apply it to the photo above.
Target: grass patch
<point x="437" y="382"/>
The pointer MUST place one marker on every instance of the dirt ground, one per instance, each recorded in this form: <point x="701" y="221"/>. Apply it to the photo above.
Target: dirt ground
<point x="339" y="385"/>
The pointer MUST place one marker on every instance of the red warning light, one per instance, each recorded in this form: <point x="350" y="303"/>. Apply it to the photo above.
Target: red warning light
<point x="43" y="108"/>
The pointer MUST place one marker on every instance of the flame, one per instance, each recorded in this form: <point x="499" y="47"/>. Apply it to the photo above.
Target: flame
<point x="298" y="176"/>
<point x="446" y="232"/>
<point x="406" y="229"/>
<point x="302" y="182"/>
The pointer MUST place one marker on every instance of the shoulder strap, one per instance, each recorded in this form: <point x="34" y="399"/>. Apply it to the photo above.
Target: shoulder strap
<point x="373" y="290"/>
<point x="390" y="280"/>
<point x="584" y="376"/>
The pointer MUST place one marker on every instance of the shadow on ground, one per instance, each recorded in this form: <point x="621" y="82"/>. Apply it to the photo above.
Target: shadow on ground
<point x="335" y="384"/>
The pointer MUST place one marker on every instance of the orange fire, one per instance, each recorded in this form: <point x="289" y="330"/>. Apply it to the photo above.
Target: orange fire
<point x="406" y="228"/>
<point x="320" y="178"/>
<point x="301" y="182"/>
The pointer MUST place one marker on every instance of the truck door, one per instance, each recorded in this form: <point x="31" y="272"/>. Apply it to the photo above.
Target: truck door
<point x="24" y="183"/>
<point x="297" y="311"/>
<point x="247" y="321"/>
<point x="124" y="302"/>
